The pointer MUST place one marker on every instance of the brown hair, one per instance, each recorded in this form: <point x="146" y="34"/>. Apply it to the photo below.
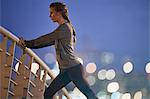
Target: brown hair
<point x="63" y="9"/>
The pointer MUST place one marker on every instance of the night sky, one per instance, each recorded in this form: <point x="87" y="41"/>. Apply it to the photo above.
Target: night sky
<point x="115" y="27"/>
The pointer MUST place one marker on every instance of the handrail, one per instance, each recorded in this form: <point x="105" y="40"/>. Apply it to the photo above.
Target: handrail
<point x="5" y="32"/>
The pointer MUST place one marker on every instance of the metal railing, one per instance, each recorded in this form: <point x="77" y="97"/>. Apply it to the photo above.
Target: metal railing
<point x="17" y="80"/>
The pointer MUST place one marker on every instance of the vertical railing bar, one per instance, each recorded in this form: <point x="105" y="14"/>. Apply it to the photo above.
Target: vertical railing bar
<point x="9" y="61"/>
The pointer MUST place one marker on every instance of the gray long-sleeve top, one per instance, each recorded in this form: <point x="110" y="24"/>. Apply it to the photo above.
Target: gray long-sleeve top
<point x="63" y="39"/>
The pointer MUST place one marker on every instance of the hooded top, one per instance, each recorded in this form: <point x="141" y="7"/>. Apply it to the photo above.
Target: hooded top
<point x="63" y="39"/>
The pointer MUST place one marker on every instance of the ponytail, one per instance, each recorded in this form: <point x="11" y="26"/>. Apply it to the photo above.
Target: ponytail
<point x="74" y="33"/>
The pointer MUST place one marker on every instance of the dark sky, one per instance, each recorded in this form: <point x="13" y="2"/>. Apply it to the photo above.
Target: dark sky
<point x="119" y="27"/>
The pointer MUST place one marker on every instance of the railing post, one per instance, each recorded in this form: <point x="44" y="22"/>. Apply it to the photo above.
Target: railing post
<point x="39" y="81"/>
<point x="4" y="81"/>
<point x="8" y="69"/>
<point x="21" y="79"/>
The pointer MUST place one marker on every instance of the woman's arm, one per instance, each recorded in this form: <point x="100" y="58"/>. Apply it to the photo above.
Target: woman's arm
<point x="40" y="42"/>
<point x="48" y="39"/>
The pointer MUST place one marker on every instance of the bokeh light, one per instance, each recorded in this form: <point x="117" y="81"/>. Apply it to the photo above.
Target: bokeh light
<point x="91" y="80"/>
<point x="115" y="95"/>
<point x="127" y="67"/>
<point x="77" y="94"/>
<point x="110" y="74"/>
<point x="91" y="68"/>
<point x="147" y="68"/>
<point x="104" y="97"/>
<point x="17" y="66"/>
<point x="102" y="74"/>
<point x="80" y="60"/>
<point x="113" y="87"/>
<point x="55" y="71"/>
<point x="138" y="95"/>
<point x="34" y="67"/>
<point x="49" y="58"/>
<point x="106" y="58"/>
<point x="42" y="74"/>
<point x="144" y="92"/>
<point x="126" y="96"/>
<point x="64" y="97"/>
<point x="101" y="94"/>
<point x="48" y="77"/>
<point x="76" y="91"/>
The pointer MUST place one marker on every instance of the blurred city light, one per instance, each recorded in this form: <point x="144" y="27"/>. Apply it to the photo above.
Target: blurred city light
<point x="34" y="67"/>
<point x="17" y="66"/>
<point x="106" y="58"/>
<point x="127" y="67"/>
<point x="91" y="68"/>
<point x="101" y="94"/>
<point x="91" y="80"/>
<point x="147" y="68"/>
<point x="116" y="95"/>
<point x="113" y="87"/>
<point x="77" y="94"/>
<point x="49" y="58"/>
<point x="64" y="97"/>
<point x="102" y="74"/>
<point x="80" y="60"/>
<point x="48" y="77"/>
<point x="104" y="97"/>
<point x="56" y="69"/>
<point x="110" y="74"/>
<point x="138" y="95"/>
<point x="126" y="96"/>
<point x="42" y="74"/>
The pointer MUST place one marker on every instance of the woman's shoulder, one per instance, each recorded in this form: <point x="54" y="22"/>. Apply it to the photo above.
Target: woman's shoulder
<point x="66" y="26"/>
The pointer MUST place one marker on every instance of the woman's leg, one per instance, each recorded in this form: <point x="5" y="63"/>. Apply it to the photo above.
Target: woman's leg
<point x="76" y="75"/>
<point x="59" y="82"/>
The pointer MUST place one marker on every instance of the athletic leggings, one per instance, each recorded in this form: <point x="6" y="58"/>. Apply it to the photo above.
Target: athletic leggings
<point x="74" y="74"/>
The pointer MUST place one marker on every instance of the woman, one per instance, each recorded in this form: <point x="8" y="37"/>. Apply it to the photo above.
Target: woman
<point x="64" y="38"/>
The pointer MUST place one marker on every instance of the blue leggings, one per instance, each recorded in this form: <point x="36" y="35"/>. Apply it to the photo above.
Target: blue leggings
<point x="74" y="74"/>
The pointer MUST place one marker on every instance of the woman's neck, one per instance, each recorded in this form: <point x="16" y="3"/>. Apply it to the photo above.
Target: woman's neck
<point x="61" y="21"/>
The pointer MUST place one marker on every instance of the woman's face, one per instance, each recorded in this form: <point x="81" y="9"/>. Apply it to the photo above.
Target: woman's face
<point x="54" y="15"/>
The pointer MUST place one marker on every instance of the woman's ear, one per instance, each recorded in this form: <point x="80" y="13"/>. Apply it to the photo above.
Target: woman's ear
<point x="59" y="13"/>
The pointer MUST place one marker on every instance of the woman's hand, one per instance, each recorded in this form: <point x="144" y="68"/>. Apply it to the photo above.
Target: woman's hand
<point x="21" y="42"/>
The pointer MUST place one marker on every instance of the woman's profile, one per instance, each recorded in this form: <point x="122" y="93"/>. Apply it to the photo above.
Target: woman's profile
<point x="64" y="39"/>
